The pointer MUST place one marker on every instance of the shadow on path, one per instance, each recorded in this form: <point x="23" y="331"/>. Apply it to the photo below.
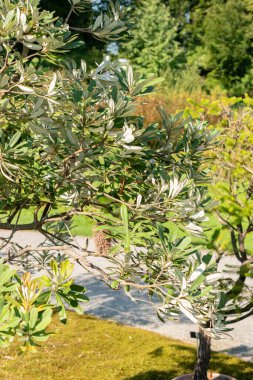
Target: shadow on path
<point x="240" y="351"/>
<point x="115" y="305"/>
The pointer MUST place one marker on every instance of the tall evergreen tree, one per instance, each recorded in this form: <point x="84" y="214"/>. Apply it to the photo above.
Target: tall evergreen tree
<point x="190" y="16"/>
<point x="227" y="43"/>
<point x="152" y="47"/>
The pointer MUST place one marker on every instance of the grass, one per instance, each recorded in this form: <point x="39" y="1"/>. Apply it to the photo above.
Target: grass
<point x="81" y="224"/>
<point x="92" y="349"/>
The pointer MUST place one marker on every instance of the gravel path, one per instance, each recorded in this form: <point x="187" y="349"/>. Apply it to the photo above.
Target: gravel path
<point x="114" y="305"/>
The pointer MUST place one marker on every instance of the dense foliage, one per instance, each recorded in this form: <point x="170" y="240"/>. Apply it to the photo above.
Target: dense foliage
<point x="71" y="141"/>
<point x="232" y="190"/>
<point x="227" y="45"/>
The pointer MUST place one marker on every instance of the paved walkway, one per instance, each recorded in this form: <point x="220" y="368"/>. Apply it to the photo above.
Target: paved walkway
<point x="116" y="306"/>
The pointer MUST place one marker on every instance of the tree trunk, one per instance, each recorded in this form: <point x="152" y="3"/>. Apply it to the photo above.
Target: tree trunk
<point x="204" y="354"/>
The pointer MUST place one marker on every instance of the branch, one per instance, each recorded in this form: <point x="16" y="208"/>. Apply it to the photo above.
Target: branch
<point x="45" y="212"/>
<point x="5" y="65"/>
<point x="249" y="261"/>
<point x="20" y="227"/>
<point x="12" y="216"/>
<point x="7" y="241"/>
<point x="51" y="237"/>
<point x="84" y="263"/>
<point x="239" y="318"/>
<point x="238" y="287"/>
<point x="234" y="245"/>
<point x="225" y="222"/>
<point x="239" y="310"/>
<point x="37" y="224"/>
<point x="69" y="14"/>
<point x="248" y="169"/>
<point x="82" y="30"/>
<point x="28" y="249"/>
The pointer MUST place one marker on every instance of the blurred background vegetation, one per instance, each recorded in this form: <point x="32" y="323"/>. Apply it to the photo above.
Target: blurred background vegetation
<point x="193" y="44"/>
<point x="202" y="49"/>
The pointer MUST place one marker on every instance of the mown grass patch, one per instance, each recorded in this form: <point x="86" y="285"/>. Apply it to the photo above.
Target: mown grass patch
<point x="92" y="349"/>
<point x="81" y="225"/>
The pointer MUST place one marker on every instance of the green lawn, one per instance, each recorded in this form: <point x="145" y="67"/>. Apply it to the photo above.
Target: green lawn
<point x="92" y="349"/>
<point x="81" y="225"/>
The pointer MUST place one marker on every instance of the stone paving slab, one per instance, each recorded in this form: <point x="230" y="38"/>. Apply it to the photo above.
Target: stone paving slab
<point x="116" y="306"/>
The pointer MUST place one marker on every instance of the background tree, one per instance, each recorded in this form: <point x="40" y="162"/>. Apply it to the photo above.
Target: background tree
<point x="213" y="37"/>
<point x="152" y="46"/>
<point x="226" y="52"/>
<point x="190" y="16"/>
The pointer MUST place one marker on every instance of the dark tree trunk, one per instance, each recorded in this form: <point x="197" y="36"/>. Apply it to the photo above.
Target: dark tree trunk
<point x="204" y="354"/>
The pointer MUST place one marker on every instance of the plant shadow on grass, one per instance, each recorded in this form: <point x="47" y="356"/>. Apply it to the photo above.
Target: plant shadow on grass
<point x="222" y="364"/>
<point x="114" y="305"/>
<point x="153" y="375"/>
<point x="157" y="352"/>
<point x="93" y="349"/>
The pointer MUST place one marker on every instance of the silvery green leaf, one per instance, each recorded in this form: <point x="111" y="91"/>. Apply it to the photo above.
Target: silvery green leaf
<point x="186" y="308"/>
<point x="4" y="80"/>
<point x="38" y="104"/>
<point x="130" y="77"/>
<point x="194" y="229"/>
<point x="52" y="84"/>
<point x="107" y="77"/>
<point x="200" y="216"/>
<point x="176" y="186"/>
<point x="103" y="65"/>
<point x="14" y="139"/>
<point x="164" y="186"/>
<point x="132" y="148"/>
<point x="32" y="46"/>
<point x="71" y="136"/>
<point x="53" y="101"/>
<point x="38" y="129"/>
<point x="198" y="271"/>
<point x="18" y="14"/>
<point x="9" y="18"/>
<point x="37" y="113"/>
<point x="213" y="277"/>
<point x="23" y="20"/>
<point x="184" y="243"/>
<point x="183" y="284"/>
<point x="111" y="106"/>
<point x="26" y="89"/>
<point x="98" y="22"/>
<point x="83" y="66"/>
<point x="29" y="37"/>
<point x="138" y="200"/>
